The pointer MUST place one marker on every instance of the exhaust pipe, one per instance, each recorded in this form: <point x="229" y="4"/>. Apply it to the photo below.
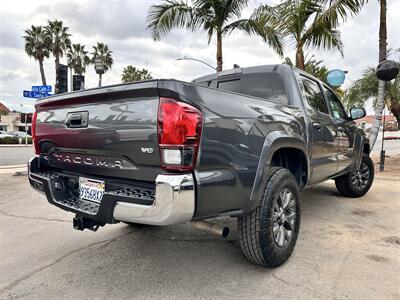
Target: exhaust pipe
<point x="211" y="227"/>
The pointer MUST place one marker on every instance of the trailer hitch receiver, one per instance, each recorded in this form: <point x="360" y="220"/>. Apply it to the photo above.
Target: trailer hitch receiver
<point x="82" y="223"/>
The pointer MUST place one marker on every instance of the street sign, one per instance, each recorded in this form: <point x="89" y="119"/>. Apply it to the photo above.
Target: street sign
<point x="41" y="88"/>
<point x="32" y="94"/>
<point x="335" y="77"/>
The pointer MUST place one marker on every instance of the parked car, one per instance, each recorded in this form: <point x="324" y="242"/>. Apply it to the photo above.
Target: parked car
<point x="4" y="134"/>
<point x="19" y="134"/>
<point x="240" y="143"/>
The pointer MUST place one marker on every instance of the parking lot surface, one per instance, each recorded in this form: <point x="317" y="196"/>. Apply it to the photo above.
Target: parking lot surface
<point x="347" y="249"/>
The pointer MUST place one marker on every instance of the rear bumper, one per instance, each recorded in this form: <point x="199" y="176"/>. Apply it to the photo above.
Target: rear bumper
<point x="174" y="203"/>
<point x="170" y="200"/>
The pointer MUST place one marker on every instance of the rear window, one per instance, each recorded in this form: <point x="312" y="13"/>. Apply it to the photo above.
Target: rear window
<point x="267" y="86"/>
<point x="231" y="85"/>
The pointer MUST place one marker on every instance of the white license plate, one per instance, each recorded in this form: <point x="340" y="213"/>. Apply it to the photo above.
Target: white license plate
<point x="91" y="189"/>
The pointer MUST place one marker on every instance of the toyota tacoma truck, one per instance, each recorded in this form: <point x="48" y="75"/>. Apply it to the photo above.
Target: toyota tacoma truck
<point x="242" y="143"/>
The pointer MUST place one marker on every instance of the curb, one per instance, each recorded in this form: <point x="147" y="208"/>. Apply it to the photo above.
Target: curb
<point x="15" y="145"/>
<point x="12" y="166"/>
<point x="13" y="170"/>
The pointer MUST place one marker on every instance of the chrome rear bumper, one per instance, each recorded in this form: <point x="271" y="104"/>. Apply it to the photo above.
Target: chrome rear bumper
<point x="172" y="200"/>
<point x="174" y="203"/>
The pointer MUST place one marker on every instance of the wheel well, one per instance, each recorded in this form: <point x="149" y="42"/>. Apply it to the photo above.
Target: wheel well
<point x="366" y="148"/>
<point x="294" y="160"/>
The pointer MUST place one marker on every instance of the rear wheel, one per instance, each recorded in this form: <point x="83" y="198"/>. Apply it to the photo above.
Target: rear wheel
<point x="268" y="234"/>
<point x="357" y="183"/>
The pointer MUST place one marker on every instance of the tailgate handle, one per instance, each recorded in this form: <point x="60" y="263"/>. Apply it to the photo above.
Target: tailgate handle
<point x="77" y="119"/>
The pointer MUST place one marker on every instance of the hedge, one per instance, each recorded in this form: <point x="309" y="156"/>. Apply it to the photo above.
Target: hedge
<point x="14" y="140"/>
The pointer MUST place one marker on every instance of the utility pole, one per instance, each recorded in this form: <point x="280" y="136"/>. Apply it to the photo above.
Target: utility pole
<point x="198" y="60"/>
<point x="383" y="152"/>
<point x="26" y="131"/>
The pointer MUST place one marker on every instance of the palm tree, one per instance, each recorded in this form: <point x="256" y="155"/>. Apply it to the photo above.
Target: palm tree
<point x="131" y="74"/>
<point x="102" y="52"/>
<point x="77" y="58"/>
<point x="309" y="22"/>
<point x="367" y="87"/>
<point x="58" y="41"/>
<point x="380" y="104"/>
<point x="36" y="47"/>
<point x="216" y="17"/>
<point x="312" y="66"/>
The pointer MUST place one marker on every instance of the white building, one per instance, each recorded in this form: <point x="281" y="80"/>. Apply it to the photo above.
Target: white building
<point x="11" y="121"/>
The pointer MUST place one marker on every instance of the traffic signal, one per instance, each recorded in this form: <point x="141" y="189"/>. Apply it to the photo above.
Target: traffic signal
<point x="61" y="79"/>
<point x="28" y="118"/>
<point x="78" y="82"/>
<point x="23" y="117"/>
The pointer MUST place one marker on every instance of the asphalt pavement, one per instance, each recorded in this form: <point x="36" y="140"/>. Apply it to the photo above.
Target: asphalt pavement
<point x="15" y="155"/>
<point x="347" y="249"/>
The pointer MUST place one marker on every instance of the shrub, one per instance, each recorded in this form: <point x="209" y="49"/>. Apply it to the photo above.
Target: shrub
<point x="14" y="140"/>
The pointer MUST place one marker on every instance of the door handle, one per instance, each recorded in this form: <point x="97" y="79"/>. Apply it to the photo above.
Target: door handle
<point x="318" y="126"/>
<point x="77" y="119"/>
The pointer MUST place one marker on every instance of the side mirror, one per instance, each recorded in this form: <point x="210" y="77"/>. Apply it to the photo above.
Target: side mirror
<point x="387" y="70"/>
<point x="357" y="113"/>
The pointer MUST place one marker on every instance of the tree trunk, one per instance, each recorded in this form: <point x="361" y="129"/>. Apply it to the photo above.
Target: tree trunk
<point x="100" y="75"/>
<point x="57" y="62"/>
<point x="300" y="58"/>
<point x="42" y="72"/>
<point x="380" y="103"/>
<point x="382" y="32"/>
<point x="219" y="52"/>
<point x="394" y="107"/>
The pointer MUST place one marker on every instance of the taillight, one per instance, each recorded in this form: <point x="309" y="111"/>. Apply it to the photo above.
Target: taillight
<point x="33" y="131"/>
<point x="179" y="132"/>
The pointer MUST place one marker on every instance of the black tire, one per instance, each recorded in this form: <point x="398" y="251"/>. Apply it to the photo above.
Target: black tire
<point x="256" y="229"/>
<point x="357" y="184"/>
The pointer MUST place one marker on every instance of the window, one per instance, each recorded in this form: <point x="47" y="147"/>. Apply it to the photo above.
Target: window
<point x="231" y="85"/>
<point x="267" y="86"/>
<point x="314" y="96"/>
<point x="338" y="111"/>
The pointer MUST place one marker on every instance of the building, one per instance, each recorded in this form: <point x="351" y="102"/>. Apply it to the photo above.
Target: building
<point x="11" y="120"/>
<point x="390" y="122"/>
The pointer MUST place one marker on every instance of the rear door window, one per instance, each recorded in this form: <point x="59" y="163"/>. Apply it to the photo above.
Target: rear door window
<point x="313" y="95"/>
<point x="267" y="86"/>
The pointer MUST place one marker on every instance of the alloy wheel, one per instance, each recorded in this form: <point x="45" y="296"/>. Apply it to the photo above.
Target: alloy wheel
<point x="360" y="178"/>
<point x="284" y="217"/>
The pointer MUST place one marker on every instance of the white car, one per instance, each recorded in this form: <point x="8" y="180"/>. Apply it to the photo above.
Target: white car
<point x="4" y="134"/>
<point x="19" y="134"/>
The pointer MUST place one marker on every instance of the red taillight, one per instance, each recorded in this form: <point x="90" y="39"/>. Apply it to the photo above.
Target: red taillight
<point x="179" y="132"/>
<point x="33" y="131"/>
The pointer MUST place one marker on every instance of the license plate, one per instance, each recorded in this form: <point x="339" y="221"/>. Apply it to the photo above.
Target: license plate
<point x="91" y="189"/>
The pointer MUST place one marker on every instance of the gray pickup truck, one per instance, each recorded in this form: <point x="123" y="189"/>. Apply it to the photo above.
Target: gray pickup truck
<point x="240" y="143"/>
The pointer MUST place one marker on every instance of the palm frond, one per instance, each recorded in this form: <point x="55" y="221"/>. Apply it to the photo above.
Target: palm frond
<point x="338" y="10"/>
<point x="161" y="18"/>
<point x="321" y="35"/>
<point x="263" y="23"/>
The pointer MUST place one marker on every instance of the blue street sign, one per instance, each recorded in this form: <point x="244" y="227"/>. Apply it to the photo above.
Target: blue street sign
<point x="41" y="88"/>
<point x="335" y="77"/>
<point x="32" y="94"/>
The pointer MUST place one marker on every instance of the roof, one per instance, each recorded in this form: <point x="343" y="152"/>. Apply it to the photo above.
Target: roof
<point x="370" y="119"/>
<point x="4" y="108"/>
<point x="246" y="70"/>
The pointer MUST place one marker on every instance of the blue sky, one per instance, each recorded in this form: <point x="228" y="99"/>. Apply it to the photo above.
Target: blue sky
<point x="122" y="25"/>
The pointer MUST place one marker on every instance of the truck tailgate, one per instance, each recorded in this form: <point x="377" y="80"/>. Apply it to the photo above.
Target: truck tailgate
<point x="110" y="131"/>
